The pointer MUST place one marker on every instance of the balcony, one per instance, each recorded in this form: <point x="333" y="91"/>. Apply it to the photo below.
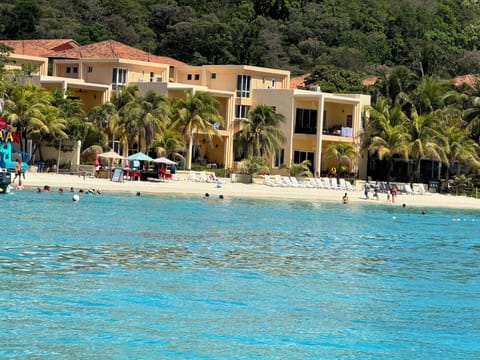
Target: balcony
<point x="338" y="130"/>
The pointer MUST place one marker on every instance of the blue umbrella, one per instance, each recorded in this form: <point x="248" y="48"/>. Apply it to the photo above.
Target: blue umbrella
<point x="140" y="157"/>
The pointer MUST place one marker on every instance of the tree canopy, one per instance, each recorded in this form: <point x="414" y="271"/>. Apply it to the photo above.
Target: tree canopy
<point x="430" y="37"/>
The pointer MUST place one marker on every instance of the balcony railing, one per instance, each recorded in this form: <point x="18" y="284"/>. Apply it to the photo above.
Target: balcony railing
<point x="338" y="130"/>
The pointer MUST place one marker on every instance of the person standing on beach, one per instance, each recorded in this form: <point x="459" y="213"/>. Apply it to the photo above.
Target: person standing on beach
<point x="367" y="189"/>
<point x="393" y="193"/>
<point x="18" y="172"/>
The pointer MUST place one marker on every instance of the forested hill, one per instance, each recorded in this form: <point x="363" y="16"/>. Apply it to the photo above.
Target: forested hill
<point x="431" y="37"/>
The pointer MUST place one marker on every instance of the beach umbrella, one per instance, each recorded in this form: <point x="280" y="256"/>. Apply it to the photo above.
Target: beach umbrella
<point x="164" y="160"/>
<point x="140" y="157"/>
<point x="110" y="155"/>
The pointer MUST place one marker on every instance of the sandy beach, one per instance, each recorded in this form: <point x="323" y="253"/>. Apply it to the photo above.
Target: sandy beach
<point x="238" y="190"/>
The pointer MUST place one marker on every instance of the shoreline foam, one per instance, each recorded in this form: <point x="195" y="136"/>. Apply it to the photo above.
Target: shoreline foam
<point x="237" y="190"/>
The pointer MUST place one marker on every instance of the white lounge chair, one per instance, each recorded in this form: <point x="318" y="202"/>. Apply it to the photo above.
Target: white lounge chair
<point x="349" y="186"/>
<point x="267" y="181"/>
<point x="202" y="177"/>
<point x="319" y="183"/>
<point x="421" y="190"/>
<point x="342" y="184"/>
<point x="334" y="183"/>
<point x="326" y="183"/>
<point x="313" y="183"/>
<point x="296" y="183"/>
<point x="192" y="176"/>
<point x="278" y="180"/>
<point x="409" y="190"/>
<point x="288" y="182"/>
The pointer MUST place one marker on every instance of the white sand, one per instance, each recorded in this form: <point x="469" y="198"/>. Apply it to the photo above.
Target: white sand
<point x="237" y="190"/>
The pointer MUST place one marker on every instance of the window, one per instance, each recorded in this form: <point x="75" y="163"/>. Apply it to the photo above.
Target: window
<point x="75" y="70"/>
<point x="69" y="70"/>
<point x="243" y="86"/>
<point x="119" y="77"/>
<point x="273" y="84"/>
<point x="189" y="77"/>
<point x="152" y="76"/>
<point x="349" y="121"/>
<point x="278" y="159"/>
<point x="214" y="75"/>
<point x="197" y="76"/>
<point x="90" y="69"/>
<point x="241" y="111"/>
<point x="306" y="121"/>
<point x="299" y="156"/>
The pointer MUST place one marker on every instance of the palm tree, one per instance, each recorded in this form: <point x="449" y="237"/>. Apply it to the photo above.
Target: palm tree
<point x="49" y="125"/>
<point x="430" y="94"/>
<point x="105" y="118"/>
<point x="424" y="132"/>
<point x="169" y="143"/>
<point x="121" y="99"/>
<point x="253" y="165"/>
<point x="196" y="113"/>
<point x="456" y="146"/>
<point x="24" y="105"/>
<point x="345" y="153"/>
<point x="261" y="134"/>
<point x="386" y="134"/>
<point x="301" y="169"/>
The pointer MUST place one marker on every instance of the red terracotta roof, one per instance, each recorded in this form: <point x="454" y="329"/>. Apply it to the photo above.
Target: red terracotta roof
<point x="370" y="81"/>
<point x="110" y="49"/>
<point x="465" y="80"/>
<point x="297" y="81"/>
<point x="39" y="47"/>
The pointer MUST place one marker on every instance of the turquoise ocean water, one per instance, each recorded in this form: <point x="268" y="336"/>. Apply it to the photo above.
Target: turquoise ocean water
<point x="117" y="276"/>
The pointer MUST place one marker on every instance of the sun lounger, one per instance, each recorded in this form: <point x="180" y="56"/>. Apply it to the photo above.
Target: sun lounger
<point x="192" y="176"/>
<point x="334" y="183"/>
<point x="287" y="181"/>
<point x="313" y="183"/>
<point x="202" y="177"/>
<point x="421" y="190"/>
<point x="326" y="183"/>
<point x="318" y="181"/>
<point x="409" y="190"/>
<point x="296" y="183"/>
<point x="349" y="186"/>
<point x="278" y="180"/>
<point x="267" y="181"/>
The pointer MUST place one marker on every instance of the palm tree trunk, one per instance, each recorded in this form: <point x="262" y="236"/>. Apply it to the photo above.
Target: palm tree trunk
<point x="390" y="168"/>
<point x="188" y="157"/>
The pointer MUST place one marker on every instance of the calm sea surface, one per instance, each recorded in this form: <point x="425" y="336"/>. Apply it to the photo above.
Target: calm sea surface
<point x="156" y="277"/>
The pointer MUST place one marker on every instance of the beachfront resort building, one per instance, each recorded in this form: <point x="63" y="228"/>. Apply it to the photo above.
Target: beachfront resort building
<point x="90" y="73"/>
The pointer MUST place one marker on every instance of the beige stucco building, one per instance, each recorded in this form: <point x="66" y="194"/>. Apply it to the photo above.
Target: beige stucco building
<point x="314" y="119"/>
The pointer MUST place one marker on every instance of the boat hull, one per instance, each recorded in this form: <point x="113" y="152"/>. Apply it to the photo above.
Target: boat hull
<point x="5" y="181"/>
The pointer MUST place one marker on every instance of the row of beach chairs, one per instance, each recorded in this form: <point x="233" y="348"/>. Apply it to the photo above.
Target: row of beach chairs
<point x="318" y="183"/>
<point x="202" y="176"/>
<point x="403" y="188"/>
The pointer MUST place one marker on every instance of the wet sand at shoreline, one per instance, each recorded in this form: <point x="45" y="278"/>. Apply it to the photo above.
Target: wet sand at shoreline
<point x="235" y="190"/>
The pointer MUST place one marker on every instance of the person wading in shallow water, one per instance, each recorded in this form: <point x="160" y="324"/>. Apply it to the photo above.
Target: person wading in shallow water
<point x="19" y="173"/>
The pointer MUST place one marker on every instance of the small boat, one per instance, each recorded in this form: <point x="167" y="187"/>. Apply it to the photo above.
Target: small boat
<point x="5" y="181"/>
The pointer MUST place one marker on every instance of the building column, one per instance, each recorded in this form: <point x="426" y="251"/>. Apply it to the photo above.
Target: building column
<point x="318" y="145"/>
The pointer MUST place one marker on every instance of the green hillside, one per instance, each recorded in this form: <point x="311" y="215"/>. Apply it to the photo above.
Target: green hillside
<point x="430" y="37"/>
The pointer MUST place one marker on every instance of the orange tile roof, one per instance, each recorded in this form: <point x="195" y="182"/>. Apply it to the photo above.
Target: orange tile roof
<point x="370" y="81"/>
<point x="110" y="49"/>
<point x="465" y="80"/>
<point x="297" y="81"/>
<point x="39" y="47"/>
